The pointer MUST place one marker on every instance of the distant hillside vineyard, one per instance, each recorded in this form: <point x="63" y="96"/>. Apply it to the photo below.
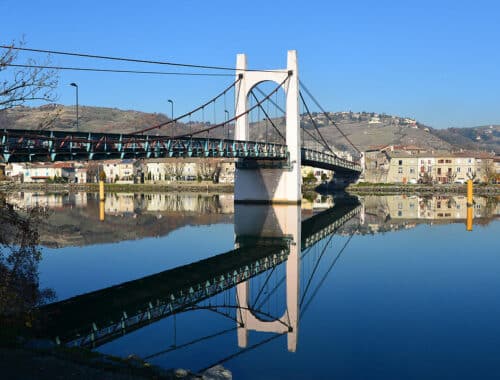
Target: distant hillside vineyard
<point x="364" y="129"/>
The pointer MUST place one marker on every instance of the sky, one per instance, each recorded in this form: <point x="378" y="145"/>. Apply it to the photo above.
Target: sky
<point x="436" y="61"/>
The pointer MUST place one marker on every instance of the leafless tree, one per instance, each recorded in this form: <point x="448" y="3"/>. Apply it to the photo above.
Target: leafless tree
<point x="22" y="83"/>
<point x="178" y="168"/>
<point x="488" y="170"/>
<point x="209" y="169"/>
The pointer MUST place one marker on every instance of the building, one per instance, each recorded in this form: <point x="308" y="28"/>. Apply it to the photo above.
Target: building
<point x="410" y="164"/>
<point x="189" y="169"/>
<point x="81" y="175"/>
<point x="41" y="172"/>
<point x="121" y="171"/>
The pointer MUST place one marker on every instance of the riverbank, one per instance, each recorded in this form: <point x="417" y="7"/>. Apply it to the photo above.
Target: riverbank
<point x="194" y="187"/>
<point x="42" y="360"/>
<point x="179" y="186"/>
<point x="390" y="189"/>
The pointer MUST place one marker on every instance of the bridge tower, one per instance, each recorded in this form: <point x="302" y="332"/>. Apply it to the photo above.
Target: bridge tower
<point x="258" y="183"/>
<point x="271" y="222"/>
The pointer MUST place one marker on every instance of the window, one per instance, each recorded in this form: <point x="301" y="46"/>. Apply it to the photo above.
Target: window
<point x="448" y="161"/>
<point x="458" y="170"/>
<point x="439" y="170"/>
<point x="440" y="161"/>
<point x="412" y="170"/>
<point x="400" y="170"/>
<point x="469" y="170"/>
<point x="400" y="162"/>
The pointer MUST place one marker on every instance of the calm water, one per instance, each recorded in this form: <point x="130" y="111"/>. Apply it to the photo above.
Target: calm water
<point x="392" y="287"/>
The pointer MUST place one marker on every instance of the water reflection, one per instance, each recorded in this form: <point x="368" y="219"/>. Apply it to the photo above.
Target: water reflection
<point x="270" y="243"/>
<point x="393" y="212"/>
<point x="249" y="294"/>
<point x="19" y="260"/>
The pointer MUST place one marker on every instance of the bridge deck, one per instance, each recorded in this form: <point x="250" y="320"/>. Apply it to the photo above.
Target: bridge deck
<point x="48" y="146"/>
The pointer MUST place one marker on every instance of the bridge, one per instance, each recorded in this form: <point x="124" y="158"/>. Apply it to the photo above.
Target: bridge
<point x="266" y="171"/>
<point x="98" y="317"/>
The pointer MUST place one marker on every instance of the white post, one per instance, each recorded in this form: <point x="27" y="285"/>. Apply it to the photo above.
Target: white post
<point x="293" y="190"/>
<point x="241" y="102"/>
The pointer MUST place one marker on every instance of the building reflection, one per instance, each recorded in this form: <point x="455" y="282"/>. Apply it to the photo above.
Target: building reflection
<point x="130" y="203"/>
<point x="392" y="212"/>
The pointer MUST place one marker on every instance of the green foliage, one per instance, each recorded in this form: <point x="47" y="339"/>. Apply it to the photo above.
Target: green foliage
<point x="309" y="179"/>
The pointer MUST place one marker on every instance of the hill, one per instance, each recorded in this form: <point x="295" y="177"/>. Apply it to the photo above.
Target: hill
<point x="364" y="129"/>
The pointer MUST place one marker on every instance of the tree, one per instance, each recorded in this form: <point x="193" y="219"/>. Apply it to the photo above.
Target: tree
<point x="19" y="258"/>
<point x="102" y="176"/>
<point x="25" y="82"/>
<point x="209" y="169"/>
<point x="488" y="170"/>
<point x="310" y="178"/>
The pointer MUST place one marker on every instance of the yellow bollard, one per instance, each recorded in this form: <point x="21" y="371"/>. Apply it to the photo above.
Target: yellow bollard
<point x="101" y="190"/>
<point x="470" y="214"/>
<point x="101" y="211"/>
<point x="469" y="193"/>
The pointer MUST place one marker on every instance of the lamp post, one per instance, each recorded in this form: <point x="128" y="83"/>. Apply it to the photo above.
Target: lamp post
<point x="227" y="126"/>
<point x="76" y="87"/>
<point x="172" y="108"/>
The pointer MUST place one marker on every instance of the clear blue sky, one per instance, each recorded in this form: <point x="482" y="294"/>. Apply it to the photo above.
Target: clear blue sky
<point x="436" y="61"/>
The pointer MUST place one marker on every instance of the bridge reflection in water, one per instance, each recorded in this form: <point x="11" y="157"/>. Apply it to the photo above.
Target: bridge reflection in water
<point x="265" y="237"/>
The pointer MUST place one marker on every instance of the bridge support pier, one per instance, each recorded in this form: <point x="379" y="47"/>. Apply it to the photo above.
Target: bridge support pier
<point x="259" y="184"/>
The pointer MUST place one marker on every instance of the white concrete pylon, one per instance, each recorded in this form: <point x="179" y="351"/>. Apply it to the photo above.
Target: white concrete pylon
<point x="262" y="184"/>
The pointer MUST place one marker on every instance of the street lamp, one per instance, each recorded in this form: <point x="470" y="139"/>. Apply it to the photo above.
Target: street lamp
<point x="76" y="87"/>
<point x="172" y="108"/>
<point x="227" y="125"/>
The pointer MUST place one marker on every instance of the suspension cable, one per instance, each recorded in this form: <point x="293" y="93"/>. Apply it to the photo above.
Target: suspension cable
<point x="135" y="60"/>
<point x="190" y="112"/>
<point x="303" y="311"/>
<point x="325" y="144"/>
<point x="237" y="116"/>
<point x="267" y="117"/>
<point x="328" y="116"/>
<point x="71" y="68"/>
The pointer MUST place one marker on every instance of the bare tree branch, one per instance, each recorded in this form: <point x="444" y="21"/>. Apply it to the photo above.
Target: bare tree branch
<point x="19" y="86"/>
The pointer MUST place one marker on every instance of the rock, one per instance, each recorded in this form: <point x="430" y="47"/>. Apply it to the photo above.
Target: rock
<point x="217" y="373"/>
<point x="180" y="373"/>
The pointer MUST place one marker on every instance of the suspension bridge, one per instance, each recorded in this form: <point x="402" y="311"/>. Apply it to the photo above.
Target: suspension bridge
<point x="266" y="171"/>
<point x="277" y="235"/>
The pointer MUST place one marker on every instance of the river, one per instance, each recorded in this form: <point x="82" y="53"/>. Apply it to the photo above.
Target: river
<point x="341" y="287"/>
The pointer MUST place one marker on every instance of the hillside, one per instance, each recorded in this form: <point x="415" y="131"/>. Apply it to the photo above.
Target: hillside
<point x="363" y="129"/>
